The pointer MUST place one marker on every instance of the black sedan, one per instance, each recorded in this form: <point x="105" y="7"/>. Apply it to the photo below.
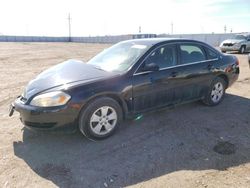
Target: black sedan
<point x="123" y="81"/>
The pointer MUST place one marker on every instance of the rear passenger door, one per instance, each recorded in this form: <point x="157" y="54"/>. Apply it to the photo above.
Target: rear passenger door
<point x="196" y="70"/>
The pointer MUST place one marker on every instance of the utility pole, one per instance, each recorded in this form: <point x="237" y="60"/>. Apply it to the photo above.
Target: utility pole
<point x="172" y="28"/>
<point x="225" y="29"/>
<point x="139" y="29"/>
<point x="69" y="20"/>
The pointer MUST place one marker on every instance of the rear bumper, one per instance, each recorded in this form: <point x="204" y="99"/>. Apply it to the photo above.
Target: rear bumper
<point x="233" y="77"/>
<point x="43" y="118"/>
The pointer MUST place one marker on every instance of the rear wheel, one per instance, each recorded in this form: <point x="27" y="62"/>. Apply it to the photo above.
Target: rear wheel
<point x="242" y="49"/>
<point x="100" y="118"/>
<point x="216" y="92"/>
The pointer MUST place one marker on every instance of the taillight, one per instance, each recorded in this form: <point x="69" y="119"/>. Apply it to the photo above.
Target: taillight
<point x="237" y="61"/>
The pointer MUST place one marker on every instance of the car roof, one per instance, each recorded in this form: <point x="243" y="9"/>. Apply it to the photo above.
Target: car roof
<point x="153" y="41"/>
<point x="244" y="34"/>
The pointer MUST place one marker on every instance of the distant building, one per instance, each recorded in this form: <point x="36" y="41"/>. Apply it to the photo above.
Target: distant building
<point x="141" y="36"/>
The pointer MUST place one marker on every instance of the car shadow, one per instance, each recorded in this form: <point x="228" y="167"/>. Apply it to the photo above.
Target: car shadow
<point x="189" y="137"/>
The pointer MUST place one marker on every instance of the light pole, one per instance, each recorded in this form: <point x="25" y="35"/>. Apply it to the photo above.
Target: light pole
<point x="69" y="20"/>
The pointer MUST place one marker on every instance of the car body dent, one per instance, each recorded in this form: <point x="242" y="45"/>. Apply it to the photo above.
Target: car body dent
<point x="71" y="72"/>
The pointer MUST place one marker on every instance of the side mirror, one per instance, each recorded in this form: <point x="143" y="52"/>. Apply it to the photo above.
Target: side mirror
<point x="151" y="67"/>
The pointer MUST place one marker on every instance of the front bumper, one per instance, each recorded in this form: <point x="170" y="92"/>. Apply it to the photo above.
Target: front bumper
<point x="45" y="118"/>
<point x="229" y="48"/>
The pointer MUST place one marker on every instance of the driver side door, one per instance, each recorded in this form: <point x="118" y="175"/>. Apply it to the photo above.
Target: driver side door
<point x="154" y="89"/>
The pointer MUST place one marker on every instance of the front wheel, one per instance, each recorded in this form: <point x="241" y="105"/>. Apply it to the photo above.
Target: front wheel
<point x="242" y="49"/>
<point x="100" y="118"/>
<point x="216" y="92"/>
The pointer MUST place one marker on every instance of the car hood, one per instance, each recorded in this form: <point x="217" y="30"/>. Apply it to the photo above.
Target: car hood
<point x="68" y="72"/>
<point x="233" y="41"/>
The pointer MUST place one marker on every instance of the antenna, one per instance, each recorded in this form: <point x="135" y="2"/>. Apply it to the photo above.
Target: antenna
<point x="69" y="20"/>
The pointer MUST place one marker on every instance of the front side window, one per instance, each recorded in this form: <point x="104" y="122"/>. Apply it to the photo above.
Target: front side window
<point x="164" y="57"/>
<point x="191" y="53"/>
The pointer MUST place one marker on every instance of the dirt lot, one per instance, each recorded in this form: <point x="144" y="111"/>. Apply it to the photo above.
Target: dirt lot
<point x="171" y="148"/>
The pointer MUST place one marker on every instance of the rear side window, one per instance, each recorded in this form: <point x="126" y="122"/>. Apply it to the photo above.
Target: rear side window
<point x="191" y="53"/>
<point x="211" y="54"/>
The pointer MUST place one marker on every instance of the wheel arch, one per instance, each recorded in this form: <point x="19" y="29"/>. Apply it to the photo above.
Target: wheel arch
<point x="113" y="96"/>
<point x="243" y="46"/>
<point x="225" y="78"/>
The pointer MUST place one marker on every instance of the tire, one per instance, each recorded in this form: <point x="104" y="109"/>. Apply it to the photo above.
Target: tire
<point x="223" y="51"/>
<point x="100" y="118"/>
<point x="216" y="92"/>
<point x="242" y="49"/>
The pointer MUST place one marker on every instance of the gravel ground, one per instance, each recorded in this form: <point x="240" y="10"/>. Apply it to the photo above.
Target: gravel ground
<point x="190" y="146"/>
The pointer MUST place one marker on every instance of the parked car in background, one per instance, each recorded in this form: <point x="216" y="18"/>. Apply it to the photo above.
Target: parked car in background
<point x="239" y="43"/>
<point x="129" y="78"/>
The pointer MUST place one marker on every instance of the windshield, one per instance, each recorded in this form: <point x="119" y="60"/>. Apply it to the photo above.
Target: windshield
<point x="120" y="57"/>
<point x="240" y="37"/>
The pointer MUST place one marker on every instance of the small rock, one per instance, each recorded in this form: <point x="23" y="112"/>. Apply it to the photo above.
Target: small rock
<point x="105" y="184"/>
<point x="5" y="184"/>
<point x="111" y="180"/>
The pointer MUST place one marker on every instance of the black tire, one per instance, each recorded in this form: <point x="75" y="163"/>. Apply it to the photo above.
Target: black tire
<point x="249" y="60"/>
<point x="242" y="49"/>
<point x="85" y="125"/>
<point x="208" y="100"/>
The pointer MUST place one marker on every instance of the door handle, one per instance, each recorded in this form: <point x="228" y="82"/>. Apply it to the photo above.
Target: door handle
<point x="174" y="74"/>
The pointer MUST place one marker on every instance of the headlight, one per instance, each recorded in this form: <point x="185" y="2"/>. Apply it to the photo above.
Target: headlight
<point x="55" y="98"/>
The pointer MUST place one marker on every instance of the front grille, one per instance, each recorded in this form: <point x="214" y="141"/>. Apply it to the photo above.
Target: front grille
<point x="227" y="44"/>
<point x="40" y="125"/>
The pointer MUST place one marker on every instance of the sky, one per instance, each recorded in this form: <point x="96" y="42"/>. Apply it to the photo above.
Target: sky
<point x="118" y="17"/>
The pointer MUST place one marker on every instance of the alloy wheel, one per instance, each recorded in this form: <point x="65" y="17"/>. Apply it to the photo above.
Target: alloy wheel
<point x="217" y="92"/>
<point x="103" y="120"/>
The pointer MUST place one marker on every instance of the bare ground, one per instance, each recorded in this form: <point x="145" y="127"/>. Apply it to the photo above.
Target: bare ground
<point x="189" y="146"/>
